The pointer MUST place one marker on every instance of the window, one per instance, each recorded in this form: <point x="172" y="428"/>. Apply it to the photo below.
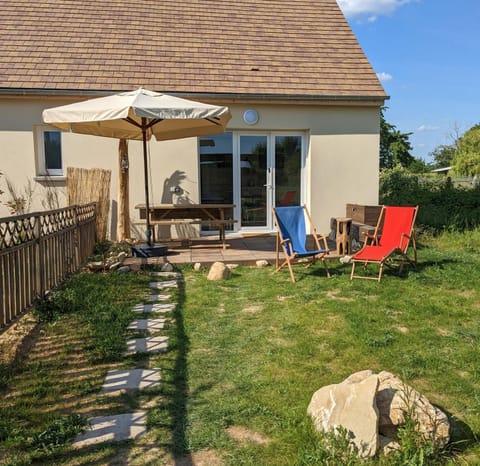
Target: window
<point x="49" y="151"/>
<point x="216" y="169"/>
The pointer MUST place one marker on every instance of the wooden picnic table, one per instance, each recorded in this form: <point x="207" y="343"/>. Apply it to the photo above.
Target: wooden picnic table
<point x="219" y="215"/>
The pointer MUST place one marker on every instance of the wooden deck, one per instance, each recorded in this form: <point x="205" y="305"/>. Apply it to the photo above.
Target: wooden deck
<point x="245" y="250"/>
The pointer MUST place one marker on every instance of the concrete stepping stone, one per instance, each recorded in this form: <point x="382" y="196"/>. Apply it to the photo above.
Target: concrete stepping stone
<point x="156" y="307"/>
<point x="147" y="324"/>
<point x="158" y="297"/>
<point x="116" y="428"/>
<point x="164" y="285"/>
<point x="166" y="274"/>
<point x="134" y="379"/>
<point x="157" y="344"/>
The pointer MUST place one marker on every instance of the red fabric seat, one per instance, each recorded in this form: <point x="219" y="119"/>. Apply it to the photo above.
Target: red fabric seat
<point x="395" y="238"/>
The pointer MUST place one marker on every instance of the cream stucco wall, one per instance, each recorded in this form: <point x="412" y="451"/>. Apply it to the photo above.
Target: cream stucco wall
<point x="341" y="159"/>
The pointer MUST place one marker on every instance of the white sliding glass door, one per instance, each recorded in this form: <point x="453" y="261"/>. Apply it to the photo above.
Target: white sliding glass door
<point x="255" y="171"/>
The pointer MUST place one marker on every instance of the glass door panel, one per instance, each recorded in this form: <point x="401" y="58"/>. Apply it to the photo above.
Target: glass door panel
<point x="288" y="164"/>
<point x="216" y="169"/>
<point x="253" y="180"/>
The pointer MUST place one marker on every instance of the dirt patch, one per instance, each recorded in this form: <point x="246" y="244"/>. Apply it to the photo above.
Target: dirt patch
<point x="242" y="435"/>
<point x="17" y="340"/>
<point x="467" y="293"/>
<point x="403" y="329"/>
<point x="443" y="332"/>
<point x="333" y="294"/>
<point x="282" y="342"/>
<point x="199" y="458"/>
<point x="153" y="402"/>
<point x="252" y="309"/>
<point x="281" y="298"/>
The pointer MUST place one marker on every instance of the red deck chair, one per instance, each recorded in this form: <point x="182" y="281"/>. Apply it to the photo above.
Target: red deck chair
<point x="395" y="238"/>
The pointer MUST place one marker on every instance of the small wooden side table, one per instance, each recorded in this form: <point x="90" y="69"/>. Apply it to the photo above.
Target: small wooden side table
<point x="344" y="242"/>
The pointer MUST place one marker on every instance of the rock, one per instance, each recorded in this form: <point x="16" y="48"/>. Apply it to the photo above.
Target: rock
<point x="96" y="266"/>
<point x="388" y="445"/>
<point x="197" y="266"/>
<point x="167" y="267"/>
<point x="123" y="269"/>
<point x="262" y="263"/>
<point x="395" y="398"/>
<point x="350" y="404"/>
<point x="122" y="256"/>
<point x="232" y="266"/>
<point x="218" y="271"/>
<point x="359" y="376"/>
<point x="372" y="407"/>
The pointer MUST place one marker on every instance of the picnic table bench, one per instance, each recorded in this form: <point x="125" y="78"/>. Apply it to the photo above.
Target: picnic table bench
<point x="214" y="215"/>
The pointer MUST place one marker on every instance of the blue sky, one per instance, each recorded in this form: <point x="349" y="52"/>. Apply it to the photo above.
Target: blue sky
<point x="427" y="55"/>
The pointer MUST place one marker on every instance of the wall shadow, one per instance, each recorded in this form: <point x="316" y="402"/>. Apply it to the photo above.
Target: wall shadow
<point x="174" y="193"/>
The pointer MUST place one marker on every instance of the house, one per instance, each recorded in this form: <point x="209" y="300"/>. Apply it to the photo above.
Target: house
<point x="305" y="101"/>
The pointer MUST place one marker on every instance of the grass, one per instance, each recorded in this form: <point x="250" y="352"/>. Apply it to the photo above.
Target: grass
<point x="248" y="354"/>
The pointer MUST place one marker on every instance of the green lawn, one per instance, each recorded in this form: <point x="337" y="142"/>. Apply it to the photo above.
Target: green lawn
<point x="245" y="357"/>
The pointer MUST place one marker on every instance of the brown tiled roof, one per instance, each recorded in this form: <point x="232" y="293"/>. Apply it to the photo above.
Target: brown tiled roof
<point x="260" y="47"/>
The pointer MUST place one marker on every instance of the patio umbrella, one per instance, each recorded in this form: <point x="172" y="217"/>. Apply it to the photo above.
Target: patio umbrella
<point x="139" y="115"/>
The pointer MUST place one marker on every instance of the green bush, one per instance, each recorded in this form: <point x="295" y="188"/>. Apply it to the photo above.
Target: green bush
<point x="442" y="206"/>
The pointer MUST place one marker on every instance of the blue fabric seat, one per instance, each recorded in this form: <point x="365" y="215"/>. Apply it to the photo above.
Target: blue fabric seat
<point x="292" y="238"/>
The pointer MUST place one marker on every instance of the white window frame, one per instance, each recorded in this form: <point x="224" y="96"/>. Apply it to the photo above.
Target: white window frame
<point x="42" y="170"/>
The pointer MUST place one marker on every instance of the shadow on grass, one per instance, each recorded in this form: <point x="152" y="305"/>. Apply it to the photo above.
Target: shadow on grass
<point x="393" y="270"/>
<point x="178" y="405"/>
<point x="461" y="436"/>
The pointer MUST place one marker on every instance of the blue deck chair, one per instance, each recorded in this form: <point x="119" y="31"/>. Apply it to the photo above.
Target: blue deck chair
<point x="292" y="236"/>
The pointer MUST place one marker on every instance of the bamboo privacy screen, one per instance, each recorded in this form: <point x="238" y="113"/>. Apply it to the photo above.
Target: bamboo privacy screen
<point x="91" y="185"/>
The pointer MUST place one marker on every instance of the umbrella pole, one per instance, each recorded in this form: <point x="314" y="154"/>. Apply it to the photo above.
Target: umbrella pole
<point x="145" y="172"/>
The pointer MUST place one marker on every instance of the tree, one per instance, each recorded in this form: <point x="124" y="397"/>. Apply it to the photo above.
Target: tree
<point x="467" y="158"/>
<point x="443" y="155"/>
<point x="395" y="146"/>
<point x="419" y="166"/>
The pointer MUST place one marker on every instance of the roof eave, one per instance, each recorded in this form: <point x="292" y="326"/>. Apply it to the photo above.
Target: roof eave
<point x="231" y="97"/>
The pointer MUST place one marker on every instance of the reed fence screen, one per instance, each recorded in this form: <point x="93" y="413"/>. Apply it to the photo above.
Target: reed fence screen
<point x="38" y="251"/>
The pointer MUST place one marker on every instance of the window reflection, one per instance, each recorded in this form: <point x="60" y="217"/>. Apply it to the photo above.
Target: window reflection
<point x="216" y="169"/>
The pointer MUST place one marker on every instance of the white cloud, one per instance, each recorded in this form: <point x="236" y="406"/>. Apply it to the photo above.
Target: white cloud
<point x="427" y="128"/>
<point x="384" y="76"/>
<point x="372" y="8"/>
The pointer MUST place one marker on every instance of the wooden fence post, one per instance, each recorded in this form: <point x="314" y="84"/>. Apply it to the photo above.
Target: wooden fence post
<point x="40" y="291"/>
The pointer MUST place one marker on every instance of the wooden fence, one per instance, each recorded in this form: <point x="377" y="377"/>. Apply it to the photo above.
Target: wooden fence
<point x="38" y="251"/>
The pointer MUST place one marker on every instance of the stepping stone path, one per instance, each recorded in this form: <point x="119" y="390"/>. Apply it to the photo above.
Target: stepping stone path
<point x="149" y="325"/>
<point x="176" y="275"/>
<point x="130" y="426"/>
<point x="113" y="429"/>
<point x="147" y="345"/>
<point x="163" y="285"/>
<point x="134" y="379"/>
<point x="158" y="297"/>
<point x="145" y="308"/>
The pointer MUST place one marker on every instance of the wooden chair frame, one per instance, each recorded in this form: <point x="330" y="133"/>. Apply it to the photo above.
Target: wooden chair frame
<point x="291" y="256"/>
<point x="371" y="241"/>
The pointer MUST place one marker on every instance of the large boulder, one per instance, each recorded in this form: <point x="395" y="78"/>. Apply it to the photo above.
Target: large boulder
<point x="372" y="407"/>
<point x="218" y="271"/>
<point x="350" y="404"/>
<point x="396" y="400"/>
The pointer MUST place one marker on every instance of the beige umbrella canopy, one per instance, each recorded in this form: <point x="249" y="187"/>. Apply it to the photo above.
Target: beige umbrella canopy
<point x="139" y="115"/>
